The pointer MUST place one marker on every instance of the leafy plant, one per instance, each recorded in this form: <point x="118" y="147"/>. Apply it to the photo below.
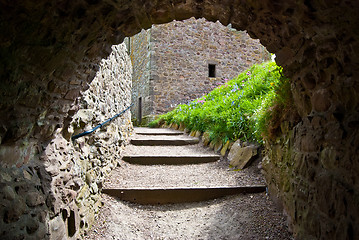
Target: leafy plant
<point x="239" y="109"/>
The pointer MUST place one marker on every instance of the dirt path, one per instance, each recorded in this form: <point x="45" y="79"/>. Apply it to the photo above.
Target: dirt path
<point x="236" y="217"/>
<point x="246" y="216"/>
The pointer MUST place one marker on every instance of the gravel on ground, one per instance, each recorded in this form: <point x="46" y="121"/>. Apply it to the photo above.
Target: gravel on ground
<point x="246" y="216"/>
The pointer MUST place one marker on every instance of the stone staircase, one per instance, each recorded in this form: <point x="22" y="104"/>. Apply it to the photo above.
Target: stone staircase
<point x="177" y="169"/>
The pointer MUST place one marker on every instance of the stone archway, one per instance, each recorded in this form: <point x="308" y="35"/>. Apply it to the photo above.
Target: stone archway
<point x="46" y="45"/>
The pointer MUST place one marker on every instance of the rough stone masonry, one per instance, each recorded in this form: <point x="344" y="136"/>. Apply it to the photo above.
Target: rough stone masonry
<point x="56" y="193"/>
<point x="50" y="51"/>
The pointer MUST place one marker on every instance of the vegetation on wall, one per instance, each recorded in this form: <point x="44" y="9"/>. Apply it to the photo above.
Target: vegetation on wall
<point x="249" y="107"/>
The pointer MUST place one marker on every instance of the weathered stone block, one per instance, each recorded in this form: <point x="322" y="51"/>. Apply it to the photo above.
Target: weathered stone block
<point x="90" y="177"/>
<point x="32" y="225"/>
<point x="211" y="144"/>
<point x="205" y="138"/>
<point x="321" y="100"/>
<point x="9" y="193"/>
<point x="83" y="193"/>
<point x="197" y="134"/>
<point x="57" y="229"/>
<point x="225" y="148"/>
<point x="217" y="146"/>
<point x="240" y="157"/>
<point x="34" y="198"/>
<point x="15" y="210"/>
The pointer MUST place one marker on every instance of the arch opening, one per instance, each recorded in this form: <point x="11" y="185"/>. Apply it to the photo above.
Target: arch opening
<point x="43" y="70"/>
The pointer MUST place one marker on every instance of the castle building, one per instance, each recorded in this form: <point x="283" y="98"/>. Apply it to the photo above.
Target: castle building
<point x="180" y="61"/>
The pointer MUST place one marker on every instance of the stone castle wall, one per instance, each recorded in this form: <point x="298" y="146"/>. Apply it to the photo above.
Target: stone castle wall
<point x="140" y="53"/>
<point x="56" y="192"/>
<point x="181" y="52"/>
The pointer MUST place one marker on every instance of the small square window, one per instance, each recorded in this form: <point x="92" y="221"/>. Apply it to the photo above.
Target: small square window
<point x="211" y="70"/>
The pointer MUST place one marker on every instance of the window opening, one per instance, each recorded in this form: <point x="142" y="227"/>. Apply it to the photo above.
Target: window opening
<point x="211" y="70"/>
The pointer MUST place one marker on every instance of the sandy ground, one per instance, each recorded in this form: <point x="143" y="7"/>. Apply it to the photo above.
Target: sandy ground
<point x="248" y="216"/>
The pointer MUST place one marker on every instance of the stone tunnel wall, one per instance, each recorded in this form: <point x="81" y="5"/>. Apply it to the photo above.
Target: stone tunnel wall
<point x="50" y="50"/>
<point x="56" y="193"/>
<point x="312" y="166"/>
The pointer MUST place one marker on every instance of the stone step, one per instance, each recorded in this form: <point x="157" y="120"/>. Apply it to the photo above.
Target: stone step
<point x="156" y="131"/>
<point x="187" y="150"/>
<point x="164" y="141"/>
<point x="170" y="160"/>
<point x="160" y="133"/>
<point x="178" y="195"/>
<point x="186" y="176"/>
<point x="161" y="137"/>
